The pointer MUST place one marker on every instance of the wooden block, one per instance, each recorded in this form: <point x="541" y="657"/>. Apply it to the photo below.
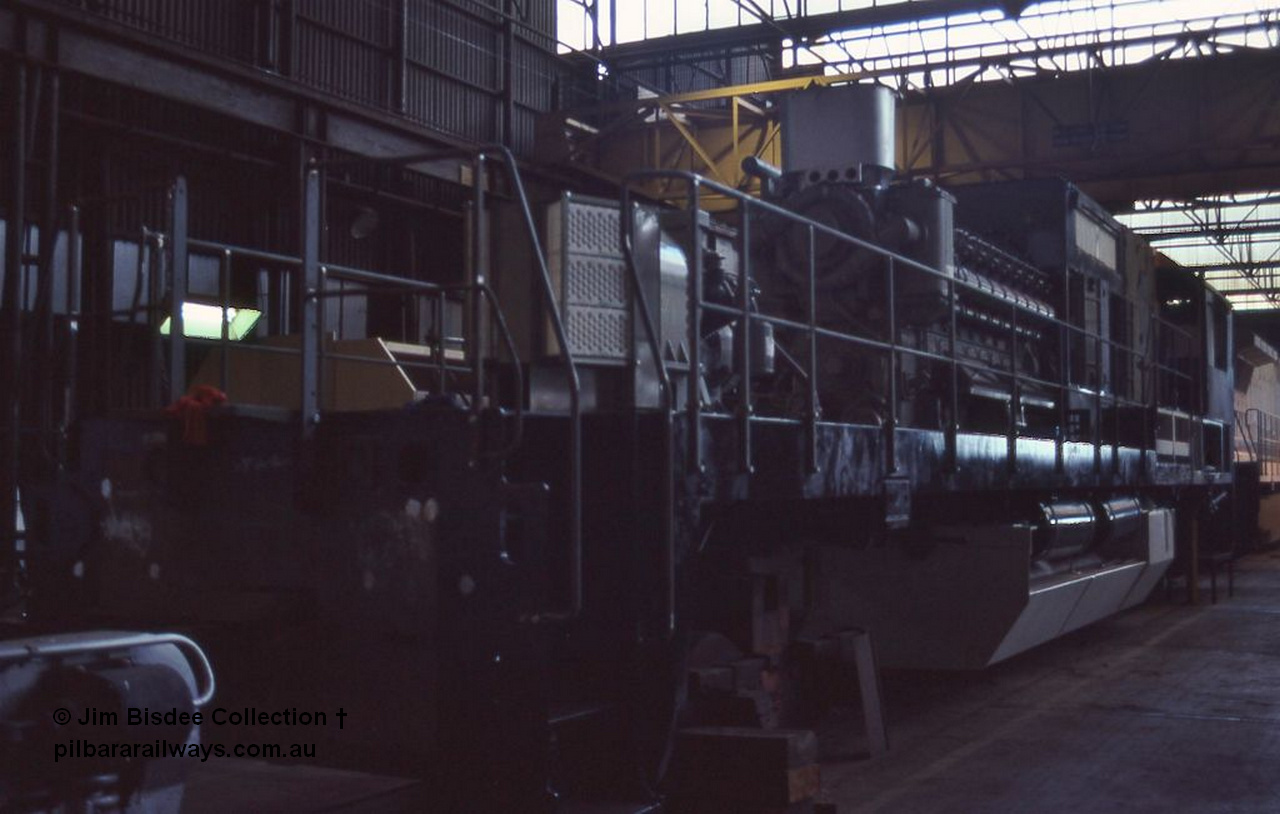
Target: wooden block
<point x="847" y="643"/>
<point x="711" y="679"/>
<point x="813" y="650"/>
<point x="804" y="783"/>
<point x="751" y="768"/>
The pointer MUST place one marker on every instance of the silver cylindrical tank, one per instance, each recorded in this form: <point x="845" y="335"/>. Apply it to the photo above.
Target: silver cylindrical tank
<point x="1067" y="528"/>
<point x="1123" y="517"/>
<point x="830" y="133"/>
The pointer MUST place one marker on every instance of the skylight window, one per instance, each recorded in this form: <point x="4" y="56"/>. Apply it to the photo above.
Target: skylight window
<point x="1051" y="37"/>
<point x="1233" y="241"/>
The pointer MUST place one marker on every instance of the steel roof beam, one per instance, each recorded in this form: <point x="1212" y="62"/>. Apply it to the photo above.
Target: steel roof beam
<point x="800" y="28"/>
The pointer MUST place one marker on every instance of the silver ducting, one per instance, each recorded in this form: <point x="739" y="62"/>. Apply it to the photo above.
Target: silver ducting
<point x="1067" y="528"/>
<point x="1122" y="518"/>
<point x="844" y="133"/>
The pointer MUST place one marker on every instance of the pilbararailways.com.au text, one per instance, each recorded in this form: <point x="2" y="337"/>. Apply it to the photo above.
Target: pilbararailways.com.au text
<point x="82" y="749"/>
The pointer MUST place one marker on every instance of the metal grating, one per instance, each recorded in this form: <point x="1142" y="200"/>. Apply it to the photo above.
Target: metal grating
<point x="596" y="281"/>
<point x="592" y="229"/>
<point x="598" y="333"/>
<point x="595" y="294"/>
<point x="438" y="62"/>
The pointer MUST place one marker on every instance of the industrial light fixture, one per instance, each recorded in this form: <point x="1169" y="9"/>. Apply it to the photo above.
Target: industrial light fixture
<point x="203" y="321"/>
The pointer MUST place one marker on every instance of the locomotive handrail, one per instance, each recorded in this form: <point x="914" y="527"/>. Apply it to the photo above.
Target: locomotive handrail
<point x="695" y="178"/>
<point x="1245" y="434"/>
<point x="1150" y="362"/>
<point x="372" y="282"/>
<point x="692" y="177"/>
<point x="483" y="290"/>
<point x="1267" y="449"/>
<point x="68" y="645"/>
<point x="571" y="373"/>
<point x="479" y="156"/>
<point x="626" y="224"/>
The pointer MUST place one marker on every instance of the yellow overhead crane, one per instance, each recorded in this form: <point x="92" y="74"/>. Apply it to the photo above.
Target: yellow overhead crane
<point x="1157" y="129"/>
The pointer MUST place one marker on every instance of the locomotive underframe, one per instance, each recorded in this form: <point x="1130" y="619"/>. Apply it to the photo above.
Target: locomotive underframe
<point x="438" y="570"/>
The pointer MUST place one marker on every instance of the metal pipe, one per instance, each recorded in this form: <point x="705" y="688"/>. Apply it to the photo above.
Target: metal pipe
<point x="757" y="167"/>
<point x="310" y="304"/>
<point x="1101" y="382"/>
<point x="442" y="382"/>
<point x="73" y="318"/>
<point x="500" y="320"/>
<point x="571" y="372"/>
<point x="693" y="396"/>
<point x="148" y="267"/>
<point x="344" y="357"/>
<point x="1115" y="412"/>
<point x="255" y="254"/>
<point x="10" y="323"/>
<point x="953" y="424"/>
<point x="224" y="294"/>
<point x="479" y="277"/>
<point x="321" y="328"/>
<point x="348" y="288"/>
<point x="782" y="212"/>
<point x="666" y="399"/>
<point x="891" y="426"/>
<point x="1015" y="388"/>
<point x="1064" y="391"/>
<point x="744" y="364"/>
<point x="423" y="157"/>
<point x="44" y="285"/>
<point x="811" y="415"/>
<point x="362" y="276"/>
<point x="61" y="647"/>
<point x="875" y="344"/>
<point x="177" y="288"/>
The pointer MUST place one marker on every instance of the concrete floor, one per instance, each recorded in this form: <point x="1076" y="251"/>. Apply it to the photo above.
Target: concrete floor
<point x="1166" y="708"/>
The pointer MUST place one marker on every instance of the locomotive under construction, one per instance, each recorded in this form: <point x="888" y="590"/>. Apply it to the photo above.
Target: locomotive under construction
<point x="639" y="442"/>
